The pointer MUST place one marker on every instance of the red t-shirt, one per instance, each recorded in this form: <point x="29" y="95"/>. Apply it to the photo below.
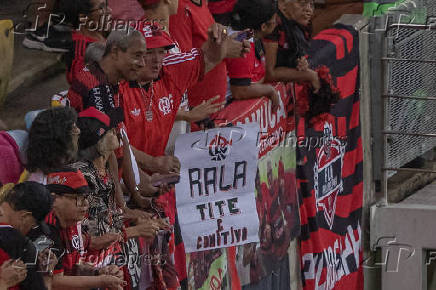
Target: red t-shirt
<point x="189" y="27"/>
<point x="75" y="58"/>
<point x="259" y="68"/>
<point x="240" y="70"/>
<point x="180" y="71"/>
<point x="221" y="6"/>
<point x="244" y="70"/>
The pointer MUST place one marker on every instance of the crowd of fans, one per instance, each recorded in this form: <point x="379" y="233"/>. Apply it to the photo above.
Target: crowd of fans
<point x="88" y="199"/>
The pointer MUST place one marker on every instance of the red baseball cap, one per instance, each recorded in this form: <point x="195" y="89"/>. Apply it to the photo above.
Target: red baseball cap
<point x="69" y="181"/>
<point x="155" y="37"/>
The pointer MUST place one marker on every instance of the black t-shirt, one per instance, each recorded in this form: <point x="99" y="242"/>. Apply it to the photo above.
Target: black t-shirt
<point x="15" y="246"/>
<point x="292" y="39"/>
<point x="48" y="237"/>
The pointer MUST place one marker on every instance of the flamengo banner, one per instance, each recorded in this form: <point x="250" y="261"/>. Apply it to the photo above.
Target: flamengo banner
<point x="330" y="174"/>
<point x="215" y="196"/>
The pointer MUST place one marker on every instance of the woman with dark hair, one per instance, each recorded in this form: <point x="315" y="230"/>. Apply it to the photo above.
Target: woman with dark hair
<point x="251" y="19"/>
<point x="53" y="142"/>
<point x="104" y="221"/>
<point x="89" y="19"/>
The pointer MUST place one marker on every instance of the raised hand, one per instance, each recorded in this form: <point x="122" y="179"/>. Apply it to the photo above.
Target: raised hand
<point x="205" y="109"/>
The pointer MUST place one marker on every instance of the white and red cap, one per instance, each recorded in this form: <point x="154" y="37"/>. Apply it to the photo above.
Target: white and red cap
<point x="156" y="37"/>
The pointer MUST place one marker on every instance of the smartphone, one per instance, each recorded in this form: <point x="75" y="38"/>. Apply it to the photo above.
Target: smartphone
<point x="246" y="34"/>
<point x="42" y="243"/>
<point x="169" y="179"/>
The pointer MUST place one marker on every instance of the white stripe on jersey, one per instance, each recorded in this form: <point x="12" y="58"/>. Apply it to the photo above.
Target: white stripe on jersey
<point x="181" y="54"/>
<point x="180" y="57"/>
<point x="180" y="61"/>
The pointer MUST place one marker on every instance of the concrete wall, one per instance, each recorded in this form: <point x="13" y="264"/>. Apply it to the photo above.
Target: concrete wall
<point x="6" y="56"/>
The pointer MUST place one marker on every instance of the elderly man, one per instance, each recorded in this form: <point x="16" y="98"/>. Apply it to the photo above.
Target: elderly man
<point x="151" y="104"/>
<point x="97" y="84"/>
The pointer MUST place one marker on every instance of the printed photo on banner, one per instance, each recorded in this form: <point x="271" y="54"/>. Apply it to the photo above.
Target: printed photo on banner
<point x="277" y="207"/>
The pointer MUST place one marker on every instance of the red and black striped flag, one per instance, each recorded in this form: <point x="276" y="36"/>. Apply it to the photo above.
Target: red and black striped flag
<point x="330" y="171"/>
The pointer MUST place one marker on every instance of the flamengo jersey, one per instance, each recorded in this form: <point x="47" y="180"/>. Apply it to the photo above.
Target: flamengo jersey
<point x="330" y="179"/>
<point x="91" y="88"/>
<point x="189" y="27"/>
<point x="245" y="70"/>
<point x="75" y="57"/>
<point x="73" y="243"/>
<point x="179" y="72"/>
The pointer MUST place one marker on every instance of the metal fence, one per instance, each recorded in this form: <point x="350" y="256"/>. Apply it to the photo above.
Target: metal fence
<point x="404" y="78"/>
<point x="410" y="69"/>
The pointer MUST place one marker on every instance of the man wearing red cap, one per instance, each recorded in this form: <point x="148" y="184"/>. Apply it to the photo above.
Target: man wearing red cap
<point x="150" y="105"/>
<point x="69" y="208"/>
<point x="96" y="85"/>
<point x="160" y="11"/>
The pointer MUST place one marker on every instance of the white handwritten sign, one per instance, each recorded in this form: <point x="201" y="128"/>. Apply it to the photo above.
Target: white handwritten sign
<point x="215" y="196"/>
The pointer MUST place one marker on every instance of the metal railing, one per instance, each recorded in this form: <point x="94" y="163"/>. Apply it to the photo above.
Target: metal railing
<point x="403" y="72"/>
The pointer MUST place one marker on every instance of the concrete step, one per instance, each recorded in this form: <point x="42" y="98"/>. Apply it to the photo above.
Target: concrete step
<point x="404" y="232"/>
<point x="31" y="65"/>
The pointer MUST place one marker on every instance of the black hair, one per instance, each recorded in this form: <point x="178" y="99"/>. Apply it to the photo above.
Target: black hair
<point x="146" y="6"/>
<point x="89" y="138"/>
<point x="50" y="140"/>
<point x="73" y="9"/>
<point x="89" y="128"/>
<point x="30" y="196"/>
<point x="251" y="14"/>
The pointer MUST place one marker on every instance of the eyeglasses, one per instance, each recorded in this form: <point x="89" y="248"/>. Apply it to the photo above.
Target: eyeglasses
<point x="81" y="200"/>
